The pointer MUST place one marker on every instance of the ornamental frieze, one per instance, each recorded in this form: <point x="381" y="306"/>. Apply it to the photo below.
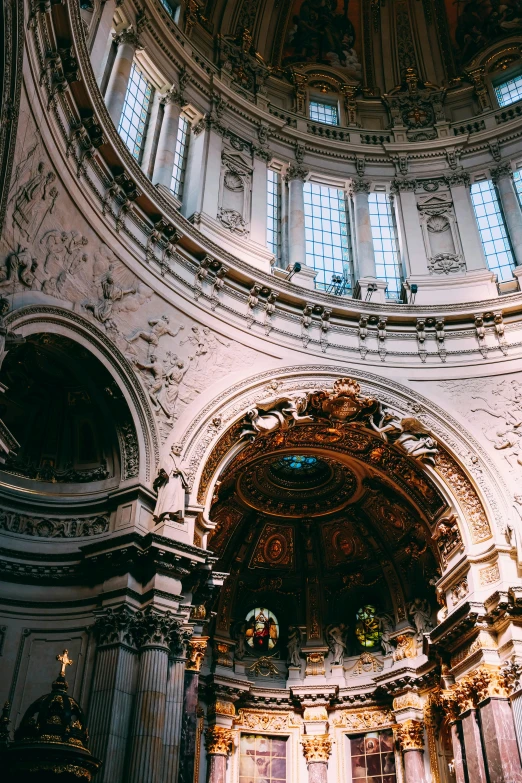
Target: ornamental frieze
<point x="262" y="720"/>
<point x="363" y="720"/>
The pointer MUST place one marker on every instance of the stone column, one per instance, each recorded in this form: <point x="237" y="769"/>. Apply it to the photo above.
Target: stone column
<point x="410" y="735"/>
<point x="473" y="748"/>
<point x="219" y="747"/>
<point x="259" y="197"/>
<point x="127" y="42"/>
<point x="502" y="176"/>
<point x="164" y="163"/>
<point x="173" y="717"/>
<point x="154" y="632"/>
<point x="101" y="39"/>
<point x="317" y="749"/>
<point x="416" y="250"/>
<point x="112" y="695"/>
<point x="466" y="222"/>
<point x="500" y="741"/>
<point x="187" y="754"/>
<point x="359" y="190"/>
<point x="458" y="760"/>
<point x="295" y="177"/>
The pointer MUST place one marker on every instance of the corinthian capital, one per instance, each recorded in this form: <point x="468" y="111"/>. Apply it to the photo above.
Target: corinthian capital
<point x="410" y="735"/>
<point x="359" y="186"/>
<point x="219" y="741"/>
<point x="296" y="171"/>
<point x="500" y="171"/>
<point x="317" y="747"/>
<point x="130" y="36"/>
<point x="151" y="627"/>
<point x="113" y="626"/>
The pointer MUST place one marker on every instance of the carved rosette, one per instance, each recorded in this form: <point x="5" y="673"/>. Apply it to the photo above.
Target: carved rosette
<point x="410" y="735"/>
<point x="317" y="748"/>
<point x="218" y="741"/>
<point x="196" y="648"/>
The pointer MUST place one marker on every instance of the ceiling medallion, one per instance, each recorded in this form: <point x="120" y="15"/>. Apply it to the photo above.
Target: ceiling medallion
<point x="343" y="403"/>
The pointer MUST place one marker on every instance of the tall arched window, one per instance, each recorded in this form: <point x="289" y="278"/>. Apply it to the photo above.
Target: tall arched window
<point x="328" y="244"/>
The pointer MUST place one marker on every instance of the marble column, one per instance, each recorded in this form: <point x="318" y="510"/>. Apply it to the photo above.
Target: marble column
<point x="111" y="700"/>
<point x="412" y="234"/>
<point x="363" y="231"/>
<point x="165" y="154"/>
<point x="296" y="216"/>
<point x="500" y="741"/>
<point x="100" y="44"/>
<point x="410" y="735"/>
<point x="127" y="42"/>
<point x="259" y="196"/>
<point x="218" y="740"/>
<point x="188" y="750"/>
<point x="173" y="718"/>
<point x="473" y="748"/>
<point x="503" y="178"/>
<point x="317" y="749"/>
<point x="458" y="760"/>
<point x="467" y="222"/>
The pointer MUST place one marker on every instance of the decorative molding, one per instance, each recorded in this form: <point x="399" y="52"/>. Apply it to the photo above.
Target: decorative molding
<point x="53" y="527"/>
<point x="218" y="741"/>
<point x="410" y="735"/>
<point x="364" y="720"/>
<point x="317" y="748"/>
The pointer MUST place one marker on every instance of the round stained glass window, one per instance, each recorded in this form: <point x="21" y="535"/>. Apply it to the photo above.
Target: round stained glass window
<point x="298" y="462"/>
<point x="262" y="633"/>
<point x="367" y="627"/>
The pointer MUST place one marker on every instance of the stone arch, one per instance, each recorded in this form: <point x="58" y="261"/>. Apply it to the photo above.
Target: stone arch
<point x="139" y="439"/>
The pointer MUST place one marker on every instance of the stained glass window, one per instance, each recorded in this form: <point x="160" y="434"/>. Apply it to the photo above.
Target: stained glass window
<point x="493" y="233"/>
<point x="367" y="627"/>
<point x="262" y="633"/>
<point x="135" y="113"/>
<point x="180" y="158"/>
<point x="509" y="91"/>
<point x="327" y="236"/>
<point x="273" y="213"/>
<point x="295" y="462"/>
<point x="385" y="245"/>
<point x="372" y="758"/>
<point x="262" y="759"/>
<point x="324" y="112"/>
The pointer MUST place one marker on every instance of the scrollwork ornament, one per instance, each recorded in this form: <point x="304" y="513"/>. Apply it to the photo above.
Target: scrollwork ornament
<point x="196" y="648"/>
<point x="410" y="735"/>
<point x="219" y="741"/>
<point x="317" y="748"/>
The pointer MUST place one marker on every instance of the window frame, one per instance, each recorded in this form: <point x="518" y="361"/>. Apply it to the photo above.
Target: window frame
<point x="332" y="104"/>
<point x="390" y="199"/>
<point x="277" y="209"/>
<point x="501" y="224"/>
<point x="180" y="157"/>
<point x="137" y="150"/>
<point x="514" y="74"/>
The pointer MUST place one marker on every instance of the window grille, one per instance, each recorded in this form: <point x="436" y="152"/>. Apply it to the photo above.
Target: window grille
<point x="180" y="158"/>
<point x="509" y="91"/>
<point x="328" y="246"/>
<point x="493" y="233"/>
<point x="385" y="245"/>
<point x="324" y="112"/>
<point x="135" y="113"/>
<point x="273" y="207"/>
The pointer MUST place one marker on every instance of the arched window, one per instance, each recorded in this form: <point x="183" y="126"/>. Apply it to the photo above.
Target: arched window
<point x="367" y="627"/>
<point x="328" y="244"/>
<point x="262" y="632"/>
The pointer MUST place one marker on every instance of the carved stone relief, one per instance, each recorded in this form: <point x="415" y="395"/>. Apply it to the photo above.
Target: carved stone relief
<point x="441" y="238"/>
<point x="45" y="527"/>
<point x="235" y="192"/>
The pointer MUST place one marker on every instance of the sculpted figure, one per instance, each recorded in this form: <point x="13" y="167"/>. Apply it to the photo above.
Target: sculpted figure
<point x="294" y="646"/>
<point x="279" y="413"/>
<point x="409" y="433"/>
<point x="240" y="635"/>
<point x="173" y="377"/>
<point x="386" y="628"/>
<point x="157" y="370"/>
<point x="27" y="208"/>
<point x="420" y="612"/>
<point x="514" y="532"/>
<point x="111" y="292"/>
<point x="158" y="328"/>
<point x="20" y="266"/>
<point x="171" y="484"/>
<point x="336" y="638"/>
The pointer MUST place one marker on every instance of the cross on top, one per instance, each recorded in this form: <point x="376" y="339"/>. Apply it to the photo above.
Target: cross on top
<point x="65" y="661"/>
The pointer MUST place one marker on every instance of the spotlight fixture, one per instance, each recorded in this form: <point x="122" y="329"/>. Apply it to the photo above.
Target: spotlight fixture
<point x="370" y="290"/>
<point x="293" y="271"/>
<point x="413" y="291"/>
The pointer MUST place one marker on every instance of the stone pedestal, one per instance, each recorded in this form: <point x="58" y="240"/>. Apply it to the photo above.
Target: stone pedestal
<point x="117" y="87"/>
<point x="296" y="223"/>
<point x="500" y="742"/>
<point x="473" y="748"/>
<point x="503" y="179"/>
<point x="164" y="163"/>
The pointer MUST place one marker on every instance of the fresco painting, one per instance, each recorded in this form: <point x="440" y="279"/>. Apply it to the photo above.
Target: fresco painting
<point x="326" y="32"/>
<point x="475" y="24"/>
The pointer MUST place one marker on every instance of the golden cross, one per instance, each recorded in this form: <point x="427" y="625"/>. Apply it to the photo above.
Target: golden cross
<point x="65" y="661"/>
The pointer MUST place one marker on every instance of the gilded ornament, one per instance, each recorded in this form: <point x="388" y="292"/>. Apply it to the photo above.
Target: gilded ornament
<point x="315" y="664"/>
<point x="344" y="403"/>
<point x="367" y="663"/>
<point x="220" y="707"/>
<point x="410" y="735"/>
<point x="317" y="747"/>
<point x="406" y="647"/>
<point x="364" y="720"/>
<point x="490" y="575"/>
<point x="315" y="714"/>
<point x="219" y="740"/>
<point x="411" y="699"/>
<point x="196" y="648"/>
<point x="264" y="667"/>
<point x="261" y="720"/>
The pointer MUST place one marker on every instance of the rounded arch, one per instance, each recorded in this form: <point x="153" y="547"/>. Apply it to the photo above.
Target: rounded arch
<point x="139" y="440"/>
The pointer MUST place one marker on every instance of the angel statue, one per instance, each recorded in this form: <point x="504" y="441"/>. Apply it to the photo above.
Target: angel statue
<point x="294" y="646"/>
<point x="240" y="635"/>
<point x="274" y="414"/>
<point x="408" y="433"/>
<point x="386" y="628"/>
<point x="420" y="612"/>
<point x="336" y="639"/>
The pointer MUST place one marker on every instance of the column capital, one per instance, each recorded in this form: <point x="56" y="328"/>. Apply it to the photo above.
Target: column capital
<point x="500" y="171"/>
<point x="296" y="171"/>
<point x="400" y="185"/>
<point x="114" y="626"/>
<point x="316" y="747"/>
<point x="153" y="628"/>
<point x="219" y="741"/>
<point x="410" y="735"/>
<point x="358" y="185"/>
<point x="196" y="648"/>
<point x="460" y="178"/>
<point x="129" y="35"/>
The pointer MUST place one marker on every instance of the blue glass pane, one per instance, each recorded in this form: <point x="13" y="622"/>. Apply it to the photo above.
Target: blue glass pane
<point x="493" y="234"/>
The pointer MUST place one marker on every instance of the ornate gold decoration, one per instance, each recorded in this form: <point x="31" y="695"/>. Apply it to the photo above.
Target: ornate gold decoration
<point x="366" y="663"/>
<point x="409" y="699"/>
<point x="263" y="666"/>
<point x="432" y="721"/>
<point x="275" y="547"/>
<point x="410" y="735"/>
<point x="344" y="403"/>
<point x="406" y="647"/>
<point x="315" y="714"/>
<point x="315" y="664"/>
<point x="197" y="646"/>
<point x="198" y="612"/>
<point x="65" y="661"/>
<point x="490" y="575"/>
<point x="56" y="769"/>
<point x="316" y="747"/>
<point x="220" y="707"/>
<point x="364" y="720"/>
<point x="222" y="654"/>
<point x="219" y="741"/>
<point x="477" y="686"/>
<point x="464" y="490"/>
<point x="261" y="720"/>
<point x="484" y="641"/>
